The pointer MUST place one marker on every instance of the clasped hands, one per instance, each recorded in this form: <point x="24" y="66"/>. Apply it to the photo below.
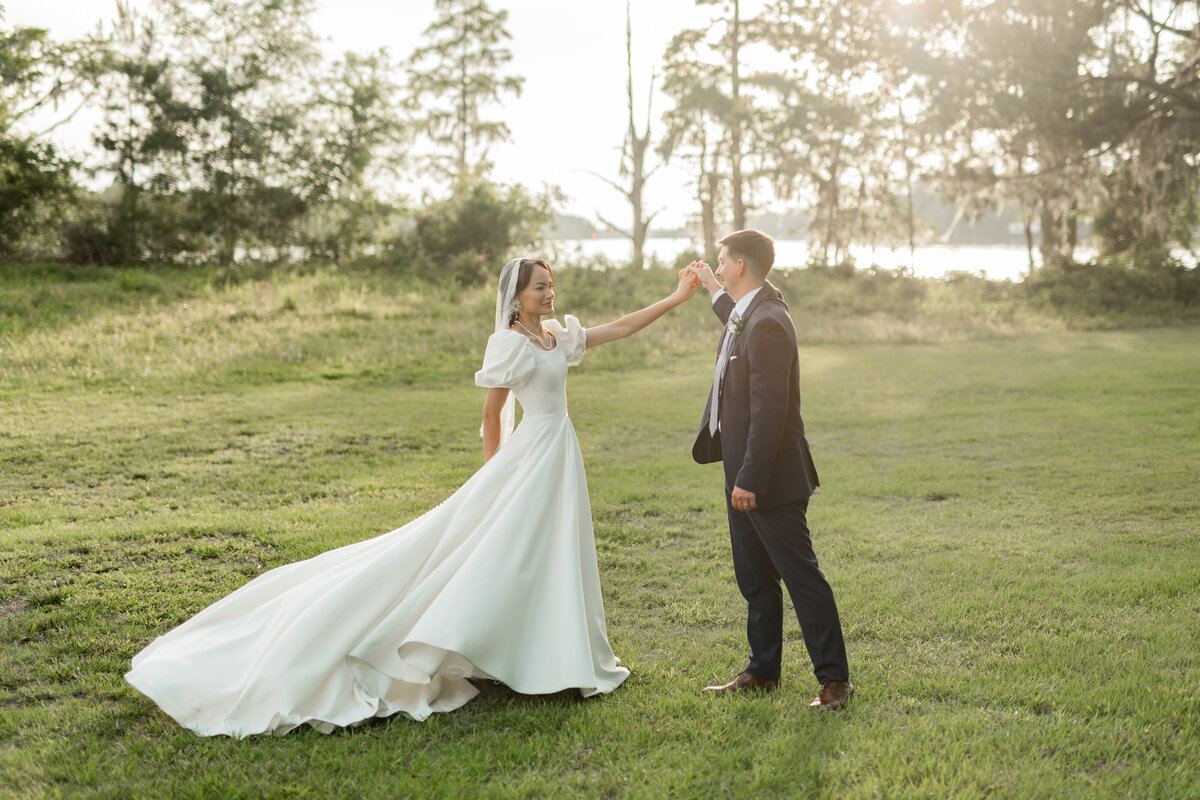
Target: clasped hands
<point x="702" y="275"/>
<point x="697" y="274"/>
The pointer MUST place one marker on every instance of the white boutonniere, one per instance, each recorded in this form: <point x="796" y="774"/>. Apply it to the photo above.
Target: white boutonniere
<point x="738" y="324"/>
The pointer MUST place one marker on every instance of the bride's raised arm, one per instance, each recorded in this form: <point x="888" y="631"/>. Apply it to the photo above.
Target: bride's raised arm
<point x="634" y="322"/>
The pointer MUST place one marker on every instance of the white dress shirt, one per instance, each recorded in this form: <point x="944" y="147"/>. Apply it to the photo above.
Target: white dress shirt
<point x="739" y="310"/>
<point x="741" y="305"/>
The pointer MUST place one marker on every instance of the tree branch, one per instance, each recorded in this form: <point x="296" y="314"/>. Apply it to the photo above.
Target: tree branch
<point x="1188" y="101"/>
<point x="628" y="236"/>
<point x="83" y="102"/>
<point x="1162" y="26"/>
<point x="626" y="192"/>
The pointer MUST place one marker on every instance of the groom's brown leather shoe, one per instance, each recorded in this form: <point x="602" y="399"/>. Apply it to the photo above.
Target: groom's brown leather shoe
<point x="743" y="682"/>
<point x="833" y="695"/>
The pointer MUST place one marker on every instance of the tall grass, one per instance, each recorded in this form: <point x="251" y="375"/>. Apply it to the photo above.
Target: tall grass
<point x="133" y="327"/>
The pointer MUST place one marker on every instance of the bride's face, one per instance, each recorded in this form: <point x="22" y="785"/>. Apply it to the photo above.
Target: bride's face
<point x="537" y="299"/>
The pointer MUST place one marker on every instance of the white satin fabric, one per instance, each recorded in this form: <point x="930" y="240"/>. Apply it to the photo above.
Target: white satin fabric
<point x="499" y="581"/>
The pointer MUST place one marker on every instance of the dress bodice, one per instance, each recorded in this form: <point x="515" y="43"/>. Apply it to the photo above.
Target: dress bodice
<point x="546" y="390"/>
<point x="537" y="377"/>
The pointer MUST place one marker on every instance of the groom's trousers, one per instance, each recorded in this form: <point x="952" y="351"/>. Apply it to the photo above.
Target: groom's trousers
<point x="771" y="545"/>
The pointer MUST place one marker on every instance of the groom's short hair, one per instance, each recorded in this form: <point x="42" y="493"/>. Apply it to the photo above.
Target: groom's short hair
<point x="756" y="248"/>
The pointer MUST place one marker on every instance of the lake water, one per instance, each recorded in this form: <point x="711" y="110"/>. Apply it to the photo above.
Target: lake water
<point x="996" y="262"/>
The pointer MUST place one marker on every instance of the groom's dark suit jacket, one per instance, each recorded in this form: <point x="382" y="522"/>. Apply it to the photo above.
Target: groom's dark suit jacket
<point x="761" y="438"/>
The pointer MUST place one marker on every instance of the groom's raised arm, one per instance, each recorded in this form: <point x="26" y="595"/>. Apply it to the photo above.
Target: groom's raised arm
<point x="723" y="306"/>
<point x="722" y="303"/>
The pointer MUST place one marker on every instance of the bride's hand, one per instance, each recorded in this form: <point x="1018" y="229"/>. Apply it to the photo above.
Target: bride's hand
<point x="687" y="284"/>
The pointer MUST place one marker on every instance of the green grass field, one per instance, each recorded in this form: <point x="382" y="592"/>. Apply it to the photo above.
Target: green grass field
<point x="1010" y="520"/>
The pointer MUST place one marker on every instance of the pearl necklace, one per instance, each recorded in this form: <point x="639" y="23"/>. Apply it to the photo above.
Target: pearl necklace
<point x="533" y="336"/>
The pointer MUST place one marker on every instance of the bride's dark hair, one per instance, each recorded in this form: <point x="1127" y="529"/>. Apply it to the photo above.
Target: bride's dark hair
<point x="524" y="273"/>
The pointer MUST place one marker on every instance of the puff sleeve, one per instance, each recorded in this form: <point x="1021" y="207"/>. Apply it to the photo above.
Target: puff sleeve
<point x="507" y="362"/>
<point x="572" y="337"/>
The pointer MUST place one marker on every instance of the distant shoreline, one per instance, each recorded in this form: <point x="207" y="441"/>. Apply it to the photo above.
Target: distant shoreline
<point x="992" y="261"/>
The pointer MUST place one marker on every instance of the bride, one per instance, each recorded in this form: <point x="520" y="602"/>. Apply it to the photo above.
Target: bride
<point x="498" y="582"/>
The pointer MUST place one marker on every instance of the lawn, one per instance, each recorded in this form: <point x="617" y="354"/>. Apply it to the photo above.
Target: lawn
<point x="1009" y="518"/>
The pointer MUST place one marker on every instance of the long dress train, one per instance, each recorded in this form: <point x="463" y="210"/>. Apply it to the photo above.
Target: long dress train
<point x="499" y="581"/>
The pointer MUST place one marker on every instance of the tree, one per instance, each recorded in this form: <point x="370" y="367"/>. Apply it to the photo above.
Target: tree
<point x="695" y="129"/>
<point x="706" y="66"/>
<point x="453" y="78"/>
<point x="37" y="73"/>
<point x="35" y="182"/>
<point x="834" y="135"/>
<point x="464" y="237"/>
<point x="732" y="41"/>
<point x="633" y="158"/>
<point x="242" y="97"/>
<point x="1148" y="196"/>
<point x="1009" y="93"/>
<point x="137" y="99"/>
<point x="358" y="128"/>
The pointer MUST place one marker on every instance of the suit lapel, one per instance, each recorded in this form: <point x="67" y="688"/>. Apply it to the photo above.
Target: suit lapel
<point x="767" y="292"/>
<point x="707" y="448"/>
<point x="736" y="347"/>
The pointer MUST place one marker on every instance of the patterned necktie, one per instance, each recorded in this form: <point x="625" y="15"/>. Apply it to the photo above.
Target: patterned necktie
<point x="719" y="373"/>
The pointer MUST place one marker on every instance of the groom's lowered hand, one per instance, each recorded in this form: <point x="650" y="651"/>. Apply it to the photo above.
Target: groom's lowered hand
<point x="742" y="500"/>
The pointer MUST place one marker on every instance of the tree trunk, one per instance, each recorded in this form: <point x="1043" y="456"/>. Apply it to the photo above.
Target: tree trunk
<point x="228" y="248"/>
<point x="825" y="193"/>
<point x="708" y="211"/>
<point x="908" y="189"/>
<point x="1072" y="229"/>
<point x="735" y="127"/>
<point x="1051" y="236"/>
<point x="635" y="198"/>
<point x="833" y="200"/>
<point x="462" y="115"/>
<point x="1026" y="216"/>
<point x="639" y="244"/>
<point x="638" y="145"/>
<point x="637" y="185"/>
<point x="1027" y="221"/>
<point x="229" y="238"/>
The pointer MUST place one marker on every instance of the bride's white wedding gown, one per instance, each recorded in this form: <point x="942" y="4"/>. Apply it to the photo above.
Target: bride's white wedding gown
<point x="500" y="581"/>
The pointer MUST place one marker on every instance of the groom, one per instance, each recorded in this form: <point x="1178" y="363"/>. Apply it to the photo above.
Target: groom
<point x="752" y="423"/>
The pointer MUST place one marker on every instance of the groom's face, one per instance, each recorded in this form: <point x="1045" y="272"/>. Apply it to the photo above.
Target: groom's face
<point x="727" y="269"/>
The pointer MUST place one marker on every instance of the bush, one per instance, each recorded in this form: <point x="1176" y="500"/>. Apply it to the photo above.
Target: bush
<point x="35" y="185"/>
<point x="465" y="237"/>
<point x="1116" y="282"/>
<point x="85" y="242"/>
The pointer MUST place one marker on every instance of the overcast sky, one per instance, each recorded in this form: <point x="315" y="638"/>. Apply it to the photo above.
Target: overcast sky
<point x="571" y="116"/>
